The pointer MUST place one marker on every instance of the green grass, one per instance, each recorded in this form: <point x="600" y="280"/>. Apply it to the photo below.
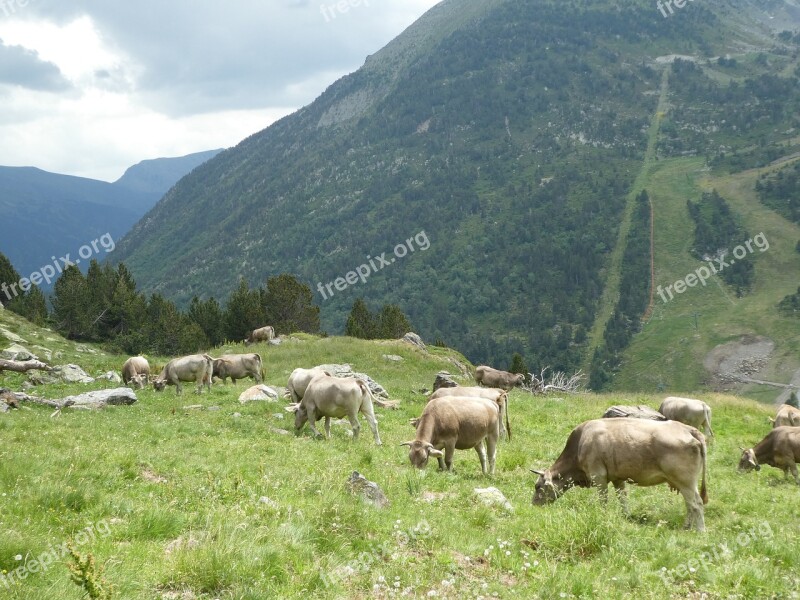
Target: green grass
<point x="174" y="500"/>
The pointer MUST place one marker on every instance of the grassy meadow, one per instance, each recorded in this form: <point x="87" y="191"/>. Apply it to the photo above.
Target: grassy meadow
<point x="209" y="503"/>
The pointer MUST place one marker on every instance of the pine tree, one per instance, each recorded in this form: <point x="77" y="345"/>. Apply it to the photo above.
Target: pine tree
<point x="518" y="365"/>
<point x="72" y="311"/>
<point x="289" y="305"/>
<point x="361" y="324"/>
<point x="392" y="323"/>
<point x="244" y="312"/>
<point x="208" y="315"/>
<point x="9" y="278"/>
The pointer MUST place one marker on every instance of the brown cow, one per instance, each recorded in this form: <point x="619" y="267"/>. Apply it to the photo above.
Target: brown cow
<point x="262" y="334"/>
<point x="299" y="380"/>
<point x="780" y="448"/>
<point x="456" y="423"/>
<point x="630" y="450"/>
<point x="239" y="366"/>
<point x="494" y="394"/>
<point x="499" y="379"/>
<point x="335" y="397"/>
<point x="136" y="369"/>
<point x="787" y="415"/>
<point x="197" y="367"/>
<point x="688" y="411"/>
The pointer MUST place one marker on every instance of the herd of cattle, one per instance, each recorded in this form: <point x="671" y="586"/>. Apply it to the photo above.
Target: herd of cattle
<point x="597" y="452"/>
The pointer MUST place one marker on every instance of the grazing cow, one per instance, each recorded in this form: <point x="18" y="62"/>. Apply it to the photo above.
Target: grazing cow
<point x="239" y="366"/>
<point x="263" y="334"/>
<point x="688" y="411"/>
<point x="335" y="397"/>
<point x="494" y="394"/>
<point x="499" y="379"/>
<point x="787" y="415"/>
<point x="456" y="422"/>
<point x="630" y="450"/>
<point x="136" y="369"/>
<point x="299" y="380"/>
<point x="197" y="367"/>
<point x="780" y="448"/>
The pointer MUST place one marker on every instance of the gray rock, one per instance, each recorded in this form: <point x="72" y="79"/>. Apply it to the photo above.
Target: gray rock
<point x="491" y="496"/>
<point x="237" y="415"/>
<point x="347" y="371"/>
<point x="19" y="353"/>
<point x="101" y="398"/>
<point x="275" y="342"/>
<point x="214" y="408"/>
<point x="259" y="392"/>
<point x="111" y="376"/>
<point x="4" y="408"/>
<point x="268" y="502"/>
<point x="369" y="490"/>
<point x="61" y="374"/>
<point x="393" y="357"/>
<point x="279" y="431"/>
<point x="46" y="352"/>
<point x="278" y="416"/>
<point x="12" y="337"/>
<point x="636" y="412"/>
<point x="413" y="338"/>
<point x="444" y="380"/>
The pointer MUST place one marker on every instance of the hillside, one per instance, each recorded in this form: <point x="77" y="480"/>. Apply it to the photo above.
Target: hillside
<point x="46" y="214"/>
<point x="218" y="501"/>
<point x="515" y="135"/>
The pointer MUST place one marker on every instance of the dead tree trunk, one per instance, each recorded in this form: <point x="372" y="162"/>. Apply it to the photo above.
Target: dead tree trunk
<point x="23" y="367"/>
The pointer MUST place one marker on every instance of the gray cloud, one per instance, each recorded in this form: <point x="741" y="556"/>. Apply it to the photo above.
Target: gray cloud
<point x="23" y="68"/>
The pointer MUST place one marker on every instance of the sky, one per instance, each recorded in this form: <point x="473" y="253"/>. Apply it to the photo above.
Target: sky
<point x="91" y="87"/>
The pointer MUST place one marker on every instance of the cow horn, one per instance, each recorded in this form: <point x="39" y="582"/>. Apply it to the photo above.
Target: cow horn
<point x="291" y="408"/>
<point x="537" y="472"/>
<point x="742" y="449"/>
<point x="406" y="443"/>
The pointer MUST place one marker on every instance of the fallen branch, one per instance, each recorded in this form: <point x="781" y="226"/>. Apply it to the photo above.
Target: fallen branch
<point x="733" y="378"/>
<point x="23" y="367"/>
<point x="393" y="404"/>
<point x="558" y="382"/>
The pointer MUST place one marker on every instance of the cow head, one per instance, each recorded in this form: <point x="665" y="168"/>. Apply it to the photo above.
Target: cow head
<point x="300" y="414"/>
<point x="159" y="384"/>
<point x="519" y="380"/>
<point x="748" y="462"/>
<point x="139" y="381"/>
<point x="419" y="453"/>
<point x="548" y="487"/>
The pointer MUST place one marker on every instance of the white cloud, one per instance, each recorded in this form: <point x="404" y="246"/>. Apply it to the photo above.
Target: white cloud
<point x="117" y="82"/>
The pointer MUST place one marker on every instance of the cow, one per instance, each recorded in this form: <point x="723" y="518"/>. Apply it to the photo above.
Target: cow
<point x="239" y="366"/>
<point x="335" y="397"/>
<point x="262" y="334"/>
<point x="494" y="394"/>
<point x="499" y="379"/>
<point x="299" y="380"/>
<point x="630" y="450"/>
<point x="688" y="411"/>
<point x="787" y="415"/>
<point x="197" y="367"/>
<point x="780" y="448"/>
<point x="456" y="423"/>
<point x="136" y="369"/>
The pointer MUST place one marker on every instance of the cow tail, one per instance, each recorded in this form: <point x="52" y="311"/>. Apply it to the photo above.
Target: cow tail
<point x="208" y="379"/>
<point x="261" y="368"/>
<point x="699" y="437"/>
<point x="707" y="412"/>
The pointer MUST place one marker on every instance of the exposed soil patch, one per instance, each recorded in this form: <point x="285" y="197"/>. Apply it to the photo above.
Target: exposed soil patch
<point x="745" y="357"/>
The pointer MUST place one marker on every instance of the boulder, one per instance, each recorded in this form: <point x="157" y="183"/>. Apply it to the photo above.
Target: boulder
<point x="259" y="393"/>
<point x="61" y="374"/>
<point x="393" y="357"/>
<point x="275" y="342"/>
<point x="18" y="353"/>
<point x="347" y="371"/>
<point x="636" y="412"/>
<point x="491" y="496"/>
<point x="111" y="376"/>
<point x="368" y="490"/>
<point x="101" y="398"/>
<point x="11" y="337"/>
<point x="414" y="339"/>
<point x="443" y="380"/>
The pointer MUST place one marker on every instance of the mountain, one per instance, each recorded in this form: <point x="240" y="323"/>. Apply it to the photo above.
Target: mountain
<point x="46" y="214"/>
<point x="511" y="138"/>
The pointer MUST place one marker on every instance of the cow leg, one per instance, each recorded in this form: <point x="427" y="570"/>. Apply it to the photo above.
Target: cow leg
<point x="449" y="450"/>
<point x="312" y="420"/>
<point x="373" y="425"/>
<point x="441" y="463"/>
<point x="481" y="455"/>
<point x="178" y="389"/>
<point x="622" y="494"/>
<point x="793" y="469"/>
<point x="491" y="448"/>
<point x="327" y="427"/>
<point x="694" y="509"/>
